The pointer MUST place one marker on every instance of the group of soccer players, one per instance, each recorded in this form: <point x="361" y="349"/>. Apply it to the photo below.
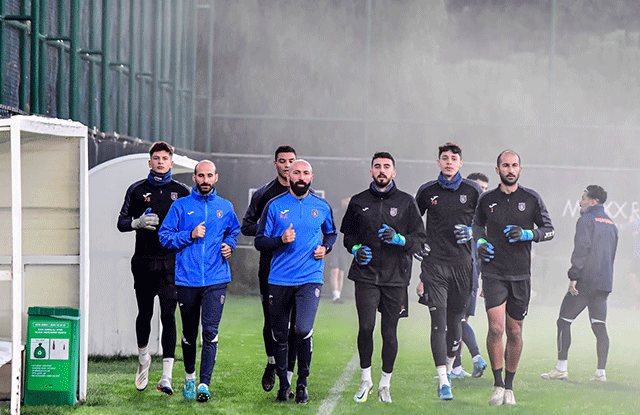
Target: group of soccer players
<point x="468" y="231"/>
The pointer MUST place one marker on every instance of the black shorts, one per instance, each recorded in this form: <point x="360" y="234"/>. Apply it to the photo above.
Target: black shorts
<point x="516" y="293"/>
<point x="447" y="286"/>
<point x="154" y="276"/>
<point x="471" y="305"/>
<point x="388" y="300"/>
<point x="573" y="305"/>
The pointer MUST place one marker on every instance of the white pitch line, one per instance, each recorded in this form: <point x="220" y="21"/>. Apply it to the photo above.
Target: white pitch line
<point x="331" y="400"/>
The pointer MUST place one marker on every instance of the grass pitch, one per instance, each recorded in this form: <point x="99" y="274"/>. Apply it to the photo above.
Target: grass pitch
<point x="236" y="386"/>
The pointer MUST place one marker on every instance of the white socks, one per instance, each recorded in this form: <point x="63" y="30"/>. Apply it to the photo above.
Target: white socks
<point x="442" y="376"/>
<point x="336" y="294"/>
<point x="190" y="376"/>
<point x="366" y="374"/>
<point x="167" y="367"/>
<point x="385" y="380"/>
<point x="600" y="373"/>
<point x="143" y="355"/>
<point x="450" y="361"/>
<point x="561" y="366"/>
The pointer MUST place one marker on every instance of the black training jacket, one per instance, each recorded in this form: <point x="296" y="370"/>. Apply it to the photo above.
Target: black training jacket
<point x="258" y="202"/>
<point x="594" y="250"/>
<point x="445" y="209"/>
<point x="140" y="196"/>
<point x="367" y="212"/>
<point x="494" y="212"/>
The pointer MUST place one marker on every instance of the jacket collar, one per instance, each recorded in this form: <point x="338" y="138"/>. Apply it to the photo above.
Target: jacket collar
<point x="205" y="198"/>
<point x="384" y="195"/>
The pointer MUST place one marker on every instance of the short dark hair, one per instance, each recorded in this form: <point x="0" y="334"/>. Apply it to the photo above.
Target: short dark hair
<point x="449" y="146"/>
<point x="596" y="193"/>
<point x="284" y="149"/>
<point x="507" y="151"/>
<point x="161" y="146"/>
<point x="383" y="155"/>
<point x="478" y="176"/>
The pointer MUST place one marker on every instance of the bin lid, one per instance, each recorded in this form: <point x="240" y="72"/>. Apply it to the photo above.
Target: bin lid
<point x="54" y="311"/>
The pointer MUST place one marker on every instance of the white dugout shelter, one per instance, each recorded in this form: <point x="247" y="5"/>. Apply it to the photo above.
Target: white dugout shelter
<point x="112" y="298"/>
<point x="44" y="251"/>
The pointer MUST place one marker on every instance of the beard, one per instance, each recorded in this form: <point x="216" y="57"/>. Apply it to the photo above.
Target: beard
<point x="299" y="188"/>
<point x="381" y="181"/>
<point x="205" y="189"/>
<point x="509" y="180"/>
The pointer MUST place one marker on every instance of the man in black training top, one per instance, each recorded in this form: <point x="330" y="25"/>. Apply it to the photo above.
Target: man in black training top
<point x="503" y="226"/>
<point x="449" y="202"/>
<point x="284" y="157"/>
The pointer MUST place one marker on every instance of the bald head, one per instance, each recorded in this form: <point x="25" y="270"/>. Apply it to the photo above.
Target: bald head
<point x="205" y="176"/>
<point x="300" y="178"/>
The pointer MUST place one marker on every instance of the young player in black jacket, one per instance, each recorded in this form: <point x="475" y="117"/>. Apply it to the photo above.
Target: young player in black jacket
<point x="447" y="273"/>
<point x="146" y="203"/>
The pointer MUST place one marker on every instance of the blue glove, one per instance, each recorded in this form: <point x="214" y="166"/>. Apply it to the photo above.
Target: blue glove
<point x="516" y="234"/>
<point x="147" y="221"/>
<point x="485" y="250"/>
<point x="424" y="252"/>
<point x="463" y="233"/>
<point x="362" y="253"/>
<point x="390" y="236"/>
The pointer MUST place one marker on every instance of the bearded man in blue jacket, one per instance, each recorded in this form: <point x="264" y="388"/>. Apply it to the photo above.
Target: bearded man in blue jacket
<point x="203" y="229"/>
<point x="298" y="228"/>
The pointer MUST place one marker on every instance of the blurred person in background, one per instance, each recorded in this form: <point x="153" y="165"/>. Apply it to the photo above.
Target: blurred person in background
<point x="468" y="335"/>
<point x="340" y="260"/>
<point x="590" y="281"/>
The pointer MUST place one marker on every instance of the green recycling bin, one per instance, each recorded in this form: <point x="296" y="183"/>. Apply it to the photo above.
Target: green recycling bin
<point x="51" y="372"/>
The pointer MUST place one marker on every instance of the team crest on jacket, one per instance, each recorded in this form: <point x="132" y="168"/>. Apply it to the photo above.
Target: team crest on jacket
<point x="314" y="213"/>
<point x="434" y="200"/>
<point x="522" y="206"/>
<point x="393" y="211"/>
<point x="463" y="199"/>
<point x="219" y="213"/>
<point x="174" y="195"/>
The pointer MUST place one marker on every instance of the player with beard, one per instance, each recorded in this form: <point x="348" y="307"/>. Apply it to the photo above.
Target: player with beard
<point x="447" y="273"/>
<point x="297" y="227"/>
<point x="382" y="229"/>
<point x="503" y="226"/>
<point x="203" y="229"/>
<point x="284" y="157"/>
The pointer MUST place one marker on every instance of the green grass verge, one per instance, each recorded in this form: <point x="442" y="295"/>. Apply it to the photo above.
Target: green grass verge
<point x="236" y="379"/>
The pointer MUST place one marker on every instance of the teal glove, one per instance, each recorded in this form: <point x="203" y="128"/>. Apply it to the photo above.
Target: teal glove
<point x="516" y="234"/>
<point x="485" y="250"/>
<point x="362" y="253"/>
<point x="390" y="236"/>
<point x="147" y="221"/>
<point x="463" y="233"/>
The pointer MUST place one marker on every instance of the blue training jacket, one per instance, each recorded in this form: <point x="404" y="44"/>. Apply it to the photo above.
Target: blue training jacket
<point x="312" y="219"/>
<point x="199" y="262"/>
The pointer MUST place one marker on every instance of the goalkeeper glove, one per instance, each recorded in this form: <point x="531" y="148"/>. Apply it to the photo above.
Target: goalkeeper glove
<point x="147" y="221"/>
<point x="463" y="233"/>
<point x="423" y="253"/>
<point x="390" y="236"/>
<point x="485" y="250"/>
<point x="362" y="253"/>
<point x="515" y="233"/>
